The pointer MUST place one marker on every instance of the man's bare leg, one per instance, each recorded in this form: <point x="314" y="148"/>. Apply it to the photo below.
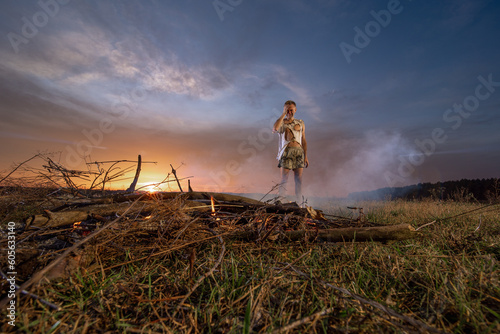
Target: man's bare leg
<point x="284" y="180"/>
<point x="298" y="184"/>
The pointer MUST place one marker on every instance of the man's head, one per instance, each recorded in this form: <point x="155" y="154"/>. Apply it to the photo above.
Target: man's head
<point x="291" y="108"/>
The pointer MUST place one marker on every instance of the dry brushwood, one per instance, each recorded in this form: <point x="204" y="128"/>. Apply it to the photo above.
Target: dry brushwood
<point x="230" y="204"/>
<point x="40" y="274"/>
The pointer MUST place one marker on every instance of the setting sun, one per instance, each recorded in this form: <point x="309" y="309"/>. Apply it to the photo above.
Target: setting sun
<point x="151" y="187"/>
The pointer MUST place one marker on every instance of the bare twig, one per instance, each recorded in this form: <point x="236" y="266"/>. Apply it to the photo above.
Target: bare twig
<point x="114" y="161"/>
<point x="43" y="301"/>
<point x="467" y="212"/>
<point x="113" y="177"/>
<point x="136" y="177"/>
<point x="276" y="186"/>
<point x="19" y="165"/>
<point x="479" y="226"/>
<point x="166" y="180"/>
<point x="426" y="225"/>
<point x="461" y="214"/>
<point x="175" y="175"/>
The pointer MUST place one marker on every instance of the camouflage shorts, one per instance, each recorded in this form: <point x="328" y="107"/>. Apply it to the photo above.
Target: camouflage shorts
<point x="292" y="158"/>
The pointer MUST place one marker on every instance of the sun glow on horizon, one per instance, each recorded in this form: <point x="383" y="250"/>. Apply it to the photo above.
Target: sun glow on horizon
<point x="150" y="187"/>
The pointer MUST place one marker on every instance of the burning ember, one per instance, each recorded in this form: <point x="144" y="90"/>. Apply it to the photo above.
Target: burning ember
<point x="83" y="228"/>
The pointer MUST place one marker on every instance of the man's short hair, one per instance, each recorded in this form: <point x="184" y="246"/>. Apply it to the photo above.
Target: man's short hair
<point x="290" y="102"/>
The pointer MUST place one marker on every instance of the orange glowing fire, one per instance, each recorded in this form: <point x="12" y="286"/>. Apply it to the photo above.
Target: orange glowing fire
<point x="213" y="206"/>
<point x="212" y="203"/>
<point x="77" y="226"/>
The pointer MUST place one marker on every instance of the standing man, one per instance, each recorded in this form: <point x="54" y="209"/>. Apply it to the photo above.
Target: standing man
<point x="292" y="153"/>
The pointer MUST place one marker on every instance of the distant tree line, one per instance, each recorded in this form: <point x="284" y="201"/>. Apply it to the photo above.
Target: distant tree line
<point x="481" y="190"/>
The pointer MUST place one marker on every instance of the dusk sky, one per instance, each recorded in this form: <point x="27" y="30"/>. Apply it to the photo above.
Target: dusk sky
<point x="392" y="93"/>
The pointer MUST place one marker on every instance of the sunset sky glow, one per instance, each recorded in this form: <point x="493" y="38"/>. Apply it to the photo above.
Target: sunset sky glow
<point x="392" y="92"/>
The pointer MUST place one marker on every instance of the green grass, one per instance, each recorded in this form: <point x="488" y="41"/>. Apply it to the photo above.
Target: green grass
<point x="448" y="279"/>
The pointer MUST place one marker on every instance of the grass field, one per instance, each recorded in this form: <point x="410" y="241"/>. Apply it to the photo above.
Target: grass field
<point x="181" y="281"/>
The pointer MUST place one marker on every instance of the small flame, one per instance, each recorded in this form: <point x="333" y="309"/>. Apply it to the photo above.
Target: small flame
<point x="212" y="201"/>
<point x="213" y="206"/>
<point x="76" y="225"/>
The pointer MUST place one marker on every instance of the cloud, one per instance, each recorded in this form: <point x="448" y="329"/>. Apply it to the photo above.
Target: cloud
<point x="37" y="138"/>
<point x="87" y="54"/>
<point x="177" y="78"/>
<point x="277" y="75"/>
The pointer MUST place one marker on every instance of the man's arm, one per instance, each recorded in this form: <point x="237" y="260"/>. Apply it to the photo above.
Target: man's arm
<point x="279" y="122"/>
<point x="304" y="144"/>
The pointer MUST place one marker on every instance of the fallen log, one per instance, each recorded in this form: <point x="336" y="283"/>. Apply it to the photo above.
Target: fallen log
<point x="56" y="219"/>
<point x="120" y="198"/>
<point x="197" y="195"/>
<point x="377" y="233"/>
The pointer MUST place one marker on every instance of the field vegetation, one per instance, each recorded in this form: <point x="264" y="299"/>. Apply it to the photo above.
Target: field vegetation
<point x="182" y="279"/>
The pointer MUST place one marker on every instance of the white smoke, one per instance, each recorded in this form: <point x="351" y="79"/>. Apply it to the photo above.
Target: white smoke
<point x="355" y="164"/>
